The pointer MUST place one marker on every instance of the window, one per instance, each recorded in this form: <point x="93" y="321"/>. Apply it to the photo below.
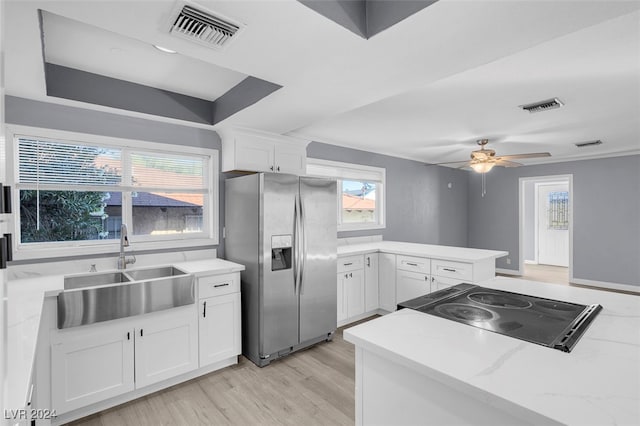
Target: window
<point x="558" y="210"/>
<point x="77" y="193"/>
<point x="360" y="193"/>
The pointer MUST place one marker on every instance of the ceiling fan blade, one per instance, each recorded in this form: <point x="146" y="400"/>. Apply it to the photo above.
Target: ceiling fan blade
<point x="465" y="162"/>
<point x="529" y="155"/>
<point x="506" y="163"/>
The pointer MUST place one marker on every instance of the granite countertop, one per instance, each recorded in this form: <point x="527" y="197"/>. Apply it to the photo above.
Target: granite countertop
<point x="597" y="383"/>
<point x="26" y="298"/>
<point x="458" y="254"/>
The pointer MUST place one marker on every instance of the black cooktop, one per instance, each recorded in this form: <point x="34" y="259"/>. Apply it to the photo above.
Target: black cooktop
<point x="547" y="322"/>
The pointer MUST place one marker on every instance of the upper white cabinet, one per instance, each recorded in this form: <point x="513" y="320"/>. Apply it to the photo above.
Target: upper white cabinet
<point x="255" y="151"/>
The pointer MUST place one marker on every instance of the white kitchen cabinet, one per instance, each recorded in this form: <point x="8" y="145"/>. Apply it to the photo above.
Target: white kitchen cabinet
<point x="350" y="294"/>
<point x="387" y="281"/>
<point x="371" y="291"/>
<point x="166" y="345"/>
<point x="220" y="323"/>
<point x="220" y="328"/>
<point x="90" y="364"/>
<point x="251" y="150"/>
<point x="438" y="283"/>
<point x="411" y="285"/>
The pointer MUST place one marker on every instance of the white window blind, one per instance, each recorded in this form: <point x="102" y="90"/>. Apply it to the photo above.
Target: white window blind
<point x="55" y="163"/>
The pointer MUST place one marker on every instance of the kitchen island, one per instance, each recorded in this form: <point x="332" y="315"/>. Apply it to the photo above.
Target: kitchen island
<point x="415" y="368"/>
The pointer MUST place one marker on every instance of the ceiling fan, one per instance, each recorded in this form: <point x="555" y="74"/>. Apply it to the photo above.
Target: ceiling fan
<point x="483" y="160"/>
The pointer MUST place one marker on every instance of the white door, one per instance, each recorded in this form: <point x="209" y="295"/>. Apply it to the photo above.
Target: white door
<point x="412" y="285"/>
<point x="553" y="231"/>
<point x="90" y="364"/>
<point x="220" y="328"/>
<point x="370" y="282"/>
<point x="166" y="345"/>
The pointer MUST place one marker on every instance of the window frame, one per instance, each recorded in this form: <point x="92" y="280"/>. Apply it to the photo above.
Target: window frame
<point x="38" y="250"/>
<point x="357" y="172"/>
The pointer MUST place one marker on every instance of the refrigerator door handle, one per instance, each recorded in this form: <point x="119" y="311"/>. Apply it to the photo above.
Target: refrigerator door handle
<point x="303" y="256"/>
<point x="296" y="245"/>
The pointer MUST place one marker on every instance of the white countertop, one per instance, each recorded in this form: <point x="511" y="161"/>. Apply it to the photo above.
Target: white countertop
<point x="458" y="254"/>
<point x="26" y="298"/>
<point x="597" y="383"/>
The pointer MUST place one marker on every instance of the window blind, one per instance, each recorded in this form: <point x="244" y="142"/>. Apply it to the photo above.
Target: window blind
<point x="56" y="163"/>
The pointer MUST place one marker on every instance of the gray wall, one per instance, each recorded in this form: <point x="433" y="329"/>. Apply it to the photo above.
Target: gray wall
<point x="420" y="206"/>
<point x="529" y="243"/>
<point x="606" y="215"/>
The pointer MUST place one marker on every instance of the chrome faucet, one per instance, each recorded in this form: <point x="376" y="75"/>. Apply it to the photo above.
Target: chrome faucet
<point x="124" y="242"/>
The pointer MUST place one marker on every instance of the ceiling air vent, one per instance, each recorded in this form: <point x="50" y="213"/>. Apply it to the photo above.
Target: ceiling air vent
<point x="203" y="27"/>
<point x="542" y="105"/>
<point x="590" y="143"/>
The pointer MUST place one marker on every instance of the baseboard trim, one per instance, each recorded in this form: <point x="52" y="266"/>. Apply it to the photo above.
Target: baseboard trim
<point x="605" y="284"/>
<point x="530" y="262"/>
<point x="509" y="272"/>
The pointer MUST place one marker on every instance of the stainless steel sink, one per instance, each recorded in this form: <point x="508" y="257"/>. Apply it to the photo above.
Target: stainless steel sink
<point x="97" y="297"/>
<point x="151" y="273"/>
<point x="94" y="279"/>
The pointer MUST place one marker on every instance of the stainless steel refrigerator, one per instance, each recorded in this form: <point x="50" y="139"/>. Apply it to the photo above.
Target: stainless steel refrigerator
<point x="283" y="229"/>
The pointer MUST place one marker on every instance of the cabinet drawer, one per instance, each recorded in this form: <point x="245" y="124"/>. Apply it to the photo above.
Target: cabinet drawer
<point x="217" y="285"/>
<point x="415" y="264"/>
<point x="350" y="263"/>
<point x="449" y="269"/>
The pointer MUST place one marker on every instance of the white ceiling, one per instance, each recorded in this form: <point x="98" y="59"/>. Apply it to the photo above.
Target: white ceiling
<point x="88" y="48"/>
<point x="425" y="89"/>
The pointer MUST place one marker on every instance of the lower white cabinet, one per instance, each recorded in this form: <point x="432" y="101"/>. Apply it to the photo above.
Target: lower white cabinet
<point x="371" y="291"/>
<point x="387" y="281"/>
<point x="438" y="283"/>
<point x="220" y="328"/>
<point x="166" y="346"/>
<point x="350" y="294"/>
<point x="92" y="363"/>
<point x="410" y="285"/>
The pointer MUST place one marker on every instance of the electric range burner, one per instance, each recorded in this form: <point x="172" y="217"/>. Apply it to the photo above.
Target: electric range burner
<point x="546" y="322"/>
<point x="499" y="300"/>
<point x="463" y="312"/>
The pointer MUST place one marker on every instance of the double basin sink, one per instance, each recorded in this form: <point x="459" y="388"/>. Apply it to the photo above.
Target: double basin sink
<point x="105" y="296"/>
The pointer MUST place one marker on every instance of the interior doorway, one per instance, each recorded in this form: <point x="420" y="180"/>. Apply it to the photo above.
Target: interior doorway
<point x="546" y="226"/>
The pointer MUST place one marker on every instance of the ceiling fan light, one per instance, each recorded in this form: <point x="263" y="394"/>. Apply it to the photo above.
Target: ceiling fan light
<point x="482" y="167"/>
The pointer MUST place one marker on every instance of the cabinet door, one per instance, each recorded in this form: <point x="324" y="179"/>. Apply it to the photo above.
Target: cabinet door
<point x="166" y="345"/>
<point x="290" y="159"/>
<point x="355" y="293"/>
<point x="411" y="285"/>
<point x="438" y="283"/>
<point x="90" y="364"/>
<point x="387" y="281"/>
<point x="220" y="328"/>
<point x="371" y="282"/>
<point x="253" y="153"/>
<point x="342" y="297"/>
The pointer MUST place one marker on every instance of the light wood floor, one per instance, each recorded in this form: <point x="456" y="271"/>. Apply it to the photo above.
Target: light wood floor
<point x="546" y="273"/>
<point x="311" y="387"/>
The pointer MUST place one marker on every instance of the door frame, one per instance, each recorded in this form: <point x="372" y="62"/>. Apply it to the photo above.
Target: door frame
<point x="568" y="178"/>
